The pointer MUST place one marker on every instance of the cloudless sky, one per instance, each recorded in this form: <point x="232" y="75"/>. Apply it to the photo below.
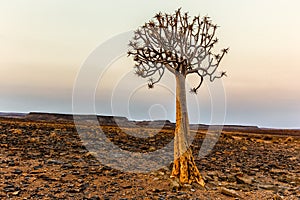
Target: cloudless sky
<point x="43" y="45"/>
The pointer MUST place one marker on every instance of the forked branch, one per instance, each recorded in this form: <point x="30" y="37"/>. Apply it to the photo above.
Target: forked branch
<point x="178" y="44"/>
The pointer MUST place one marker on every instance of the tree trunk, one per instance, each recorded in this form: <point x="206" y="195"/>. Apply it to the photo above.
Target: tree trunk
<point x="184" y="167"/>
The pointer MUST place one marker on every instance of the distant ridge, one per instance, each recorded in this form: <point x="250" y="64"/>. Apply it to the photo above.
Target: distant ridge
<point x="124" y="122"/>
<point x="113" y="120"/>
<point x="13" y="115"/>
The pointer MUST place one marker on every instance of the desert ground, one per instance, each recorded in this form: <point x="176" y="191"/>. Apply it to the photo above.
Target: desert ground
<point x="46" y="159"/>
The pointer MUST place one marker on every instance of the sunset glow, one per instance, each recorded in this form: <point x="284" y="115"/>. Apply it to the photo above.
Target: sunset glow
<point x="45" y="43"/>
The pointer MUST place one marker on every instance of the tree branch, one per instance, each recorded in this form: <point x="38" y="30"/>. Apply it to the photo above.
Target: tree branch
<point x="177" y="43"/>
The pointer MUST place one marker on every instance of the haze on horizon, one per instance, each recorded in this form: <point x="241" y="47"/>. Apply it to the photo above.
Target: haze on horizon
<point x="44" y="43"/>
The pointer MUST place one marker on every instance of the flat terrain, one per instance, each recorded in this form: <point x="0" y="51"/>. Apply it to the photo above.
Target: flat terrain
<point x="47" y="160"/>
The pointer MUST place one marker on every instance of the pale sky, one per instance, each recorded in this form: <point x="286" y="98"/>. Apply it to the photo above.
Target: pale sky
<point x="43" y="45"/>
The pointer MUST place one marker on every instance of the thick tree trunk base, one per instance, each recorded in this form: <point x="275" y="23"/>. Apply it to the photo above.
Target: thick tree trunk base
<point x="186" y="171"/>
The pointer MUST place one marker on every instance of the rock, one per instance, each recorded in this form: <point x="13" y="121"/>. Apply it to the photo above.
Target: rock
<point x="229" y="192"/>
<point x="16" y="131"/>
<point x="222" y="177"/>
<point x="126" y="186"/>
<point x="212" y="173"/>
<point x="37" y="167"/>
<point x="152" y="148"/>
<point x="75" y="190"/>
<point x="84" y="186"/>
<point x="237" y="138"/>
<point x="293" y="183"/>
<point x="199" y="187"/>
<point x="244" y="148"/>
<point x="165" y="169"/>
<point x="76" y="173"/>
<point x="96" y="197"/>
<point x="161" y="173"/>
<point x="231" y="178"/>
<point x="277" y="171"/>
<point x="9" y="188"/>
<point x="293" y="158"/>
<point x="2" y="194"/>
<point x="277" y="197"/>
<point x="268" y="187"/>
<point x="16" y="193"/>
<point x="244" y="180"/>
<point x="33" y="140"/>
<point x="18" y="171"/>
<point x="67" y="166"/>
<point x="55" y="162"/>
<point x="174" y="184"/>
<point x="207" y="178"/>
<point x="12" y="163"/>
<point x="268" y="137"/>
<point x="187" y="186"/>
<point x="156" y="190"/>
<point x="47" y="178"/>
<point x="252" y="173"/>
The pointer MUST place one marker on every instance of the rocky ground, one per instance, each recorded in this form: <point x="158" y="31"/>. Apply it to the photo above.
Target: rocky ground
<point x="47" y="160"/>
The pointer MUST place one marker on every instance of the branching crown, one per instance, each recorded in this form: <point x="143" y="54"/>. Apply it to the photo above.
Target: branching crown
<point x="176" y="43"/>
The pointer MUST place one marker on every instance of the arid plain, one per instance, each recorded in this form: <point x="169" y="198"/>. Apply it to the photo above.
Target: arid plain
<point x="43" y="157"/>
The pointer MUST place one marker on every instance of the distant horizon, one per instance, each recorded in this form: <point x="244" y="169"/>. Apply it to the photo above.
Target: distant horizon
<point x="139" y="120"/>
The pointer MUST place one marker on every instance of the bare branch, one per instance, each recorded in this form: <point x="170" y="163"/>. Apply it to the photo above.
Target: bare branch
<point x="177" y="43"/>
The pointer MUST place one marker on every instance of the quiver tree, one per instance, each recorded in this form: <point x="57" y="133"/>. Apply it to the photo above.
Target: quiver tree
<point x="184" y="47"/>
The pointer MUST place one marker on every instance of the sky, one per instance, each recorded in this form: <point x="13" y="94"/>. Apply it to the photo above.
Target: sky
<point x="46" y="44"/>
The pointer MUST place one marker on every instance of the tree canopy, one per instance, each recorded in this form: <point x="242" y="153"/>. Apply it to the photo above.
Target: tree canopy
<point x="179" y="44"/>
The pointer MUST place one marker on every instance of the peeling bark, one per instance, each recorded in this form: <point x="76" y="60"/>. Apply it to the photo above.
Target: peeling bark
<point x="184" y="167"/>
